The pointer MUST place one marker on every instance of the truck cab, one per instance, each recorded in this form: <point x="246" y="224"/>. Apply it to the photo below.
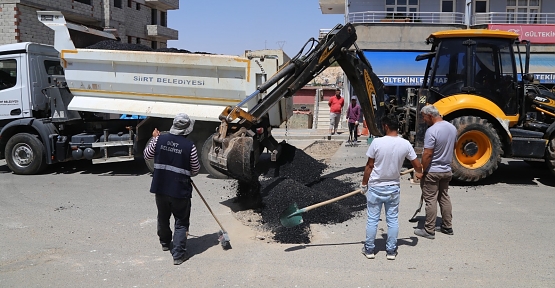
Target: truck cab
<point x="25" y="69"/>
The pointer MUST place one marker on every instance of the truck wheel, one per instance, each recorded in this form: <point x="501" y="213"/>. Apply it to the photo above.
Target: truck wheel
<point x="550" y="155"/>
<point x="477" y="149"/>
<point x="25" y="154"/>
<point x="206" y="162"/>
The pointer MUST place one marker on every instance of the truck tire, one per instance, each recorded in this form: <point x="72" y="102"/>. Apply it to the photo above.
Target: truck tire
<point x="206" y="163"/>
<point x="477" y="151"/>
<point x="25" y="154"/>
<point x="550" y="155"/>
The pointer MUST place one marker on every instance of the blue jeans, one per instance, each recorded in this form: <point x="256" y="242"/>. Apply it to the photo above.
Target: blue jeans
<point x="389" y="196"/>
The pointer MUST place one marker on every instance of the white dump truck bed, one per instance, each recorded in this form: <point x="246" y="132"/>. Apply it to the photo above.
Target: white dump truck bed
<point x="163" y="84"/>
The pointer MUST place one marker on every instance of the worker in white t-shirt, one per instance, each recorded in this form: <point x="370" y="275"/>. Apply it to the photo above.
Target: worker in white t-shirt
<point x="381" y="184"/>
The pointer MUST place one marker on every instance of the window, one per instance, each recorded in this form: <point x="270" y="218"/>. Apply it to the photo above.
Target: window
<point x="118" y="4"/>
<point x="154" y="17"/>
<point x="399" y="8"/>
<point x="130" y="3"/>
<point x="88" y="2"/>
<point x="8" y="73"/>
<point x="447" y="6"/>
<point x="154" y="45"/>
<point x="129" y="39"/>
<point x="53" y="67"/>
<point x="523" y="11"/>
<point x="138" y="6"/>
<point x="163" y="19"/>
<point x="138" y="40"/>
<point x="481" y="6"/>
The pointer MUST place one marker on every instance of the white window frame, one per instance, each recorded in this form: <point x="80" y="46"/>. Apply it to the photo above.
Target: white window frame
<point x="514" y="12"/>
<point x="408" y="8"/>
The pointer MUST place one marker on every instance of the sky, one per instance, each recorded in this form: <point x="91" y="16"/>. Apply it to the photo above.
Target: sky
<point x="232" y="26"/>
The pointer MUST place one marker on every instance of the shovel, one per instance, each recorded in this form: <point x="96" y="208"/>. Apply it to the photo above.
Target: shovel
<point x="291" y="216"/>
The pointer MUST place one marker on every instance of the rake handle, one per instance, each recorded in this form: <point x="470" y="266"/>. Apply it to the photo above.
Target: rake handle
<point x="209" y="209"/>
<point x="308" y="208"/>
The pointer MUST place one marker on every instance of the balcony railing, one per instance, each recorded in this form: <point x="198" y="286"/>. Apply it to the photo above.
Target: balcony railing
<point x="409" y="17"/>
<point x="513" y="18"/>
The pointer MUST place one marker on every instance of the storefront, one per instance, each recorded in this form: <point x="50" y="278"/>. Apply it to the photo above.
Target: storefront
<point x="398" y="70"/>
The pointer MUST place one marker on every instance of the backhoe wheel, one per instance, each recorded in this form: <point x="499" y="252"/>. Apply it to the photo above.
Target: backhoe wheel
<point x="25" y="154"/>
<point x="477" y="149"/>
<point x="206" y="162"/>
<point x="550" y="155"/>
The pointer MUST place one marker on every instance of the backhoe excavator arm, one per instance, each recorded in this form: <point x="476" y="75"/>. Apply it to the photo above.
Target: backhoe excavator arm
<point x="242" y="135"/>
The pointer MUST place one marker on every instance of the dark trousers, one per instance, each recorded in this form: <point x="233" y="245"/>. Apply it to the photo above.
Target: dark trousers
<point x="435" y="188"/>
<point x="353" y="129"/>
<point x="181" y="210"/>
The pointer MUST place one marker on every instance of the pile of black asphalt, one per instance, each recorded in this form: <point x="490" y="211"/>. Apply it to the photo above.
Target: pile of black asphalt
<point x="299" y="179"/>
<point x="117" y="45"/>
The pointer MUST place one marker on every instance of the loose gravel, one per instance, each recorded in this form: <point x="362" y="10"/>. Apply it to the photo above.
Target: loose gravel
<point x="116" y="45"/>
<point x="298" y="179"/>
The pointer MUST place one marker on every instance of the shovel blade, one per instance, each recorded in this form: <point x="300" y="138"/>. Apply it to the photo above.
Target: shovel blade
<point x="291" y="216"/>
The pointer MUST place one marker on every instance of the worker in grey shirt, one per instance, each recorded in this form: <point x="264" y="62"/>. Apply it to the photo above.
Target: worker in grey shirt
<point x="439" y="143"/>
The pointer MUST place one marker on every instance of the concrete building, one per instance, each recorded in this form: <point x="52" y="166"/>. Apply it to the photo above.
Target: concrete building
<point x="90" y="21"/>
<point x="392" y="32"/>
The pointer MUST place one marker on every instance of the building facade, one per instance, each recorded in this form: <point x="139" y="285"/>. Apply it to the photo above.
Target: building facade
<point x="90" y="21"/>
<point x="393" y="32"/>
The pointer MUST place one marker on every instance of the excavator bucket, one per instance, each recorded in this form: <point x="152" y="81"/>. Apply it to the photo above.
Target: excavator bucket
<point x="236" y="159"/>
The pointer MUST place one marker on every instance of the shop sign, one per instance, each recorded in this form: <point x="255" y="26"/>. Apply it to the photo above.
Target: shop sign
<point x="540" y="34"/>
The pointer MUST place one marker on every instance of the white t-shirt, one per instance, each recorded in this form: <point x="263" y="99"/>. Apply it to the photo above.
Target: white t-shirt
<point x="388" y="153"/>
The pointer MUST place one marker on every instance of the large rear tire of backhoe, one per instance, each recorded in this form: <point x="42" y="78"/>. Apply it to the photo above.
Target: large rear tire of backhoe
<point x="477" y="151"/>
<point x="25" y="154"/>
<point x="550" y="155"/>
<point x="206" y="162"/>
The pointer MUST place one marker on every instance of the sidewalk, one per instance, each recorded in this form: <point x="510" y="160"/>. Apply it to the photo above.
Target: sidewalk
<point x="313" y="134"/>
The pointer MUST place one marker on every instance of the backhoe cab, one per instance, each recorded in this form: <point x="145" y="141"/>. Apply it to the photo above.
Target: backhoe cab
<point x="235" y="148"/>
<point x="472" y="78"/>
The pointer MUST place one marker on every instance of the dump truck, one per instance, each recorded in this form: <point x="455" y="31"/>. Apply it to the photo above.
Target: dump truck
<point x="478" y="79"/>
<point x="59" y="103"/>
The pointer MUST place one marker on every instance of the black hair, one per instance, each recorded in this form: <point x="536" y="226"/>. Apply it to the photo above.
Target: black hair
<point x="391" y="121"/>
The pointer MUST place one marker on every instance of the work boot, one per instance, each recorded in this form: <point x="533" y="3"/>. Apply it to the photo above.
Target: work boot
<point x="424" y="233"/>
<point x="448" y="231"/>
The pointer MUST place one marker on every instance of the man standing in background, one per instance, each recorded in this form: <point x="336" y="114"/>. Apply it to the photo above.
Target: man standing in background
<point x="336" y="105"/>
<point x="353" y="114"/>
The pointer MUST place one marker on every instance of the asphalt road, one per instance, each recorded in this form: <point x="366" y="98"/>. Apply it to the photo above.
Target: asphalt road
<point x="80" y="225"/>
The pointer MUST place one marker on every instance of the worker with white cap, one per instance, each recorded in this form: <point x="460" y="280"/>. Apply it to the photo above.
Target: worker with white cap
<point x="175" y="162"/>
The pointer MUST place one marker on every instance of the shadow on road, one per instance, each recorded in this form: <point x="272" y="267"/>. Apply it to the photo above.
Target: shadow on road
<point x="379" y="242"/>
<point x="516" y="172"/>
<point x="198" y="244"/>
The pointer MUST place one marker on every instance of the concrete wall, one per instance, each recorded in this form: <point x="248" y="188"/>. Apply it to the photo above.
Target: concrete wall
<point x="398" y="36"/>
<point x="19" y="22"/>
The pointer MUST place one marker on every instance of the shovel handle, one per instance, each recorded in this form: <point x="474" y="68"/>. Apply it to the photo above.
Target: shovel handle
<point x="308" y="208"/>
<point x="407" y="171"/>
